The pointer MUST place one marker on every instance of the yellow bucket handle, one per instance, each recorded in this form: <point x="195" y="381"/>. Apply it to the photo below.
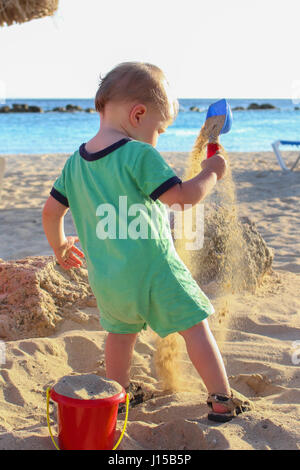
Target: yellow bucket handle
<point x="122" y="433"/>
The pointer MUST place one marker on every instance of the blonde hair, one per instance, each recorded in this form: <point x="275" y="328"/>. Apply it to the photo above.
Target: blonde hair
<point x="136" y="81"/>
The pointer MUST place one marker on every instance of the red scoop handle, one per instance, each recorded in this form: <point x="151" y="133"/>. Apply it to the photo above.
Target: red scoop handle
<point x="212" y="148"/>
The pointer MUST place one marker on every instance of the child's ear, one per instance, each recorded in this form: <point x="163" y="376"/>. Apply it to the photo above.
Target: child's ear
<point x="137" y="113"/>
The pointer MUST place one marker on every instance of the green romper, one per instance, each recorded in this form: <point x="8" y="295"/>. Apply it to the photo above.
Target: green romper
<point x="134" y="270"/>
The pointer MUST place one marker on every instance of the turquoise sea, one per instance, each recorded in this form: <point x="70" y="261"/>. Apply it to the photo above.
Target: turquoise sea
<point x="55" y="132"/>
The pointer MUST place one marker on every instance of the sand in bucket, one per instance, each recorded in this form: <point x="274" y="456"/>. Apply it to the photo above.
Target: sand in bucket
<point x="87" y="387"/>
<point x="87" y="412"/>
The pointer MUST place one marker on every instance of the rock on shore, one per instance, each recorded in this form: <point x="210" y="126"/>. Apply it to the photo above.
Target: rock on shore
<point x="256" y="106"/>
<point x="25" y="108"/>
<point x="21" y="108"/>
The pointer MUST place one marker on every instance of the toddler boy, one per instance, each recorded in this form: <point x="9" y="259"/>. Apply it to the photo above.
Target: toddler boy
<point x="134" y="270"/>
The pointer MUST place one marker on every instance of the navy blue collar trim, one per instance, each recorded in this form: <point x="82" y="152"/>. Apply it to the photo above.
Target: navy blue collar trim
<point x="102" y="153"/>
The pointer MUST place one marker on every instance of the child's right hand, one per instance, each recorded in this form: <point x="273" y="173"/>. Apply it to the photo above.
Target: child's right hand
<point x="216" y="164"/>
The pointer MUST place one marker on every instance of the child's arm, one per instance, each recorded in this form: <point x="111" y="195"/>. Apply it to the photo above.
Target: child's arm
<point x="53" y="223"/>
<point x="194" y="190"/>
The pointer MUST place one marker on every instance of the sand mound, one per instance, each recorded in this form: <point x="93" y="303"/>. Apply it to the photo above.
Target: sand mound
<point x="36" y="294"/>
<point x="236" y="259"/>
<point x="87" y="387"/>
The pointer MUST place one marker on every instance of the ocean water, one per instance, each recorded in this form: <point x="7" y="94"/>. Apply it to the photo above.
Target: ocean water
<point x="54" y="132"/>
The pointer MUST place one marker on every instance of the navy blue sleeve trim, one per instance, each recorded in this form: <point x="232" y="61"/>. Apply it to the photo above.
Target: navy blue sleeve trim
<point x="164" y="187"/>
<point x="59" y="197"/>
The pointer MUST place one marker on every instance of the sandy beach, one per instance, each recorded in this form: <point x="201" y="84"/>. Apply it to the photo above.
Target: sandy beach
<point x="256" y="334"/>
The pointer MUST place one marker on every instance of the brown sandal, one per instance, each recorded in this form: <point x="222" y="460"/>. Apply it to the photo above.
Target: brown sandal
<point x="236" y="403"/>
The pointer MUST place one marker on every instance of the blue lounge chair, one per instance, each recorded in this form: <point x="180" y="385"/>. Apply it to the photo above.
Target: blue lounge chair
<point x="276" y="145"/>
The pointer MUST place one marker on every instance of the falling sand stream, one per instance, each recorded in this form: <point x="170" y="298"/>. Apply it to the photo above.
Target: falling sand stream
<point x="222" y="263"/>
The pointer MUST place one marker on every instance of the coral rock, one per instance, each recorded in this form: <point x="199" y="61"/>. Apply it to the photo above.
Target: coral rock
<point x="36" y="295"/>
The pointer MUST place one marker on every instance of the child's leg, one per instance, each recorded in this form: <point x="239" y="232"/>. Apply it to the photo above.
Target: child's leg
<point x="118" y="355"/>
<point x="206" y="358"/>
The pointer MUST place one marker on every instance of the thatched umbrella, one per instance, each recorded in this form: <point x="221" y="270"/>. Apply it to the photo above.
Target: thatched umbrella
<point x="19" y="11"/>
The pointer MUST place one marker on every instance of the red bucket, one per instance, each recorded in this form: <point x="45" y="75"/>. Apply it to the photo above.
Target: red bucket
<point x="86" y="424"/>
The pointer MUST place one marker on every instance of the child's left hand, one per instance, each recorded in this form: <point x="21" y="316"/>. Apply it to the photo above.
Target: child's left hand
<point x="65" y="253"/>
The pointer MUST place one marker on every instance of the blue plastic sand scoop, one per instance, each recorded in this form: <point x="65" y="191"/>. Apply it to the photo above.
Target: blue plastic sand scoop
<point x="221" y="108"/>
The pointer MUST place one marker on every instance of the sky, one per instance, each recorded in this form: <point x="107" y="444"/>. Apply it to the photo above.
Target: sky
<point x="211" y="49"/>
